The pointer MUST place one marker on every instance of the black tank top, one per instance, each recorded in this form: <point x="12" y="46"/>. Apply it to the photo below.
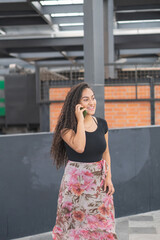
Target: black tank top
<point x="95" y="144"/>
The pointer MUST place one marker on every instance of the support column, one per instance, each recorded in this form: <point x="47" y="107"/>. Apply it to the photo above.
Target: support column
<point x="108" y="38"/>
<point x="43" y="107"/>
<point x="94" y="50"/>
<point x="44" y="117"/>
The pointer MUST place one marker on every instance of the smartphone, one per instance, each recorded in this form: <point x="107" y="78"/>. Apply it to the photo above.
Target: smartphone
<point x="84" y="112"/>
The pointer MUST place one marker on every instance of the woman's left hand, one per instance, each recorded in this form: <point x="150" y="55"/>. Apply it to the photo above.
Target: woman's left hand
<point x="108" y="183"/>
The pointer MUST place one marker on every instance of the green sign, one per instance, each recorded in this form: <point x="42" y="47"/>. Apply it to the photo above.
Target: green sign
<point x="2" y="98"/>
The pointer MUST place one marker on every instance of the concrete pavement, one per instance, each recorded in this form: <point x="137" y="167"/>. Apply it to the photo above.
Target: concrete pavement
<point x="144" y="226"/>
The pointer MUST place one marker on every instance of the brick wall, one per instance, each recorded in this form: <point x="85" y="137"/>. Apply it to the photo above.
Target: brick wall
<point x="120" y="113"/>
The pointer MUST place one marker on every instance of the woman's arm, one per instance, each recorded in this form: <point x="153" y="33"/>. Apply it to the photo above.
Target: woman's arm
<point x="106" y="157"/>
<point x="76" y="141"/>
<point x="108" y="181"/>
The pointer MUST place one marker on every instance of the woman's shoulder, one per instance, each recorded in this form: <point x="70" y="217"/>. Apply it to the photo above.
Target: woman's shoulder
<point x="103" y="123"/>
<point x="66" y="130"/>
<point x="101" y="119"/>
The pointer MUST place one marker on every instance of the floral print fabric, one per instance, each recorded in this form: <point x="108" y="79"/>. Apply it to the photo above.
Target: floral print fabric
<point x="84" y="210"/>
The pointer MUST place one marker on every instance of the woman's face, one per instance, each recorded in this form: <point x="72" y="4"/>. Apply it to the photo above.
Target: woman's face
<point x="88" y="101"/>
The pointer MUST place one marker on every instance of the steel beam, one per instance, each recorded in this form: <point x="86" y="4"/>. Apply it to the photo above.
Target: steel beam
<point x="7" y="61"/>
<point x="62" y="9"/>
<point x="54" y="63"/>
<point x="138" y="60"/>
<point x="17" y="13"/>
<point x="39" y="9"/>
<point x="137" y="16"/>
<point x="137" y="41"/>
<point x="13" y="1"/>
<point x="145" y="51"/>
<point x="141" y="25"/>
<point x="43" y="42"/>
<point x="40" y="55"/>
<point x="12" y="21"/>
<point x="71" y="28"/>
<point x="136" y="4"/>
<point x="59" y="20"/>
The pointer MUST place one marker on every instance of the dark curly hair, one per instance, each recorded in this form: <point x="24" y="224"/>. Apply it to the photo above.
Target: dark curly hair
<point x="66" y="119"/>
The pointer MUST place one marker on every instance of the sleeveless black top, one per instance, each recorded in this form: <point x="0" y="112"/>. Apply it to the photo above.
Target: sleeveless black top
<point x="95" y="144"/>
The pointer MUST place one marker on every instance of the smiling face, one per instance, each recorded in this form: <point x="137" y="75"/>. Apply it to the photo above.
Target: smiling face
<point x="88" y="101"/>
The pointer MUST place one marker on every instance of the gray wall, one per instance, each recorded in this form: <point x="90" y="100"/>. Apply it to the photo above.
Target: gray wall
<point x="29" y="182"/>
<point x="29" y="185"/>
<point x="20" y="100"/>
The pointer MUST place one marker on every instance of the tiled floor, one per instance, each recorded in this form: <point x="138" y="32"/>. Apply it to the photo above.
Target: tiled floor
<point x="144" y="226"/>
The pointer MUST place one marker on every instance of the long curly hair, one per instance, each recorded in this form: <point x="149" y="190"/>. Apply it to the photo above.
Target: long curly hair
<point x="66" y="119"/>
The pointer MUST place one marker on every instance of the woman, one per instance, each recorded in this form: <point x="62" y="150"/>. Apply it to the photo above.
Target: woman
<point x="85" y="208"/>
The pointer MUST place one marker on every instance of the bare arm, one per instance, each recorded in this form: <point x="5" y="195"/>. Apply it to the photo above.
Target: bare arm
<point x="107" y="158"/>
<point x="108" y="181"/>
<point x="77" y="140"/>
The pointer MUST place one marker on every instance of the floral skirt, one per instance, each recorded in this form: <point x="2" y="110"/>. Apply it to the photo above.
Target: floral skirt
<point x="84" y="210"/>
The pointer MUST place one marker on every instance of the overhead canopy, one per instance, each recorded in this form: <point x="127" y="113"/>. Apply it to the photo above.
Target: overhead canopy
<point x="52" y="30"/>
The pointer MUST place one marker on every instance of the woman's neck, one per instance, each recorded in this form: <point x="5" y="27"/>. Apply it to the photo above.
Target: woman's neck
<point x="88" y="119"/>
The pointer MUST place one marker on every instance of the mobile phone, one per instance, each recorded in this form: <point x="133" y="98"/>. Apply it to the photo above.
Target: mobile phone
<point x="84" y="112"/>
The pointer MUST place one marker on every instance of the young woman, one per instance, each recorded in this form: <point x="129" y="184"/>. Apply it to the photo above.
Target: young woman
<point x="85" y="208"/>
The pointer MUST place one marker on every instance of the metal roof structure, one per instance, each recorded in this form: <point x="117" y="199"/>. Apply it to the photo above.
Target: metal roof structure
<point x="51" y="31"/>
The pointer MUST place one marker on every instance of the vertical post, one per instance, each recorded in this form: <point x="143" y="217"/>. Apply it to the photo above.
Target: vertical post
<point x="43" y="107"/>
<point x="94" y="50"/>
<point x="38" y="87"/>
<point x="136" y="80"/>
<point x="71" y="75"/>
<point x="152" y="101"/>
<point x="108" y="38"/>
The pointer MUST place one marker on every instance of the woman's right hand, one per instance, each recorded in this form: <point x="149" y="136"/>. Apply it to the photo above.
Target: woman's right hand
<point x="79" y="112"/>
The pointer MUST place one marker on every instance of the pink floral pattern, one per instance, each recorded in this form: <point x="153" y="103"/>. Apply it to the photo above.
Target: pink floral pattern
<point x="84" y="210"/>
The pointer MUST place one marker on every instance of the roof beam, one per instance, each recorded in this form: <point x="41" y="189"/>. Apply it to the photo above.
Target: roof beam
<point x="44" y="49"/>
<point x="7" y="61"/>
<point x="42" y="42"/>
<point x="21" y="21"/>
<point x="39" y="9"/>
<point x="138" y="25"/>
<point x="146" y="51"/>
<point x="48" y="54"/>
<point x="17" y="13"/>
<point x="59" y="20"/>
<point x="139" y="41"/>
<point x="135" y="6"/>
<point x="15" y="6"/>
<point x="13" y="1"/>
<point x="30" y="50"/>
<point x="39" y="55"/>
<point x="62" y="9"/>
<point x="71" y="28"/>
<point x="139" y="60"/>
<point x="52" y="56"/>
<point x="3" y="53"/>
<point x="75" y="54"/>
<point x="54" y="63"/>
<point x="137" y="16"/>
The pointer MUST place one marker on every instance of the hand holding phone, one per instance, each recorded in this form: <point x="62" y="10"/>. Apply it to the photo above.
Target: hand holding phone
<point x="84" y="112"/>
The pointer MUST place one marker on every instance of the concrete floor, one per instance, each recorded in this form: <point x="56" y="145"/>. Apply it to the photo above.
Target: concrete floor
<point x="145" y="226"/>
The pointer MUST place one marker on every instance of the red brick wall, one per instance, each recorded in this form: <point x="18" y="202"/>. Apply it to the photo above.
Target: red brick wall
<point x="157" y="105"/>
<point x="118" y="114"/>
<point x="55" y="108"/>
